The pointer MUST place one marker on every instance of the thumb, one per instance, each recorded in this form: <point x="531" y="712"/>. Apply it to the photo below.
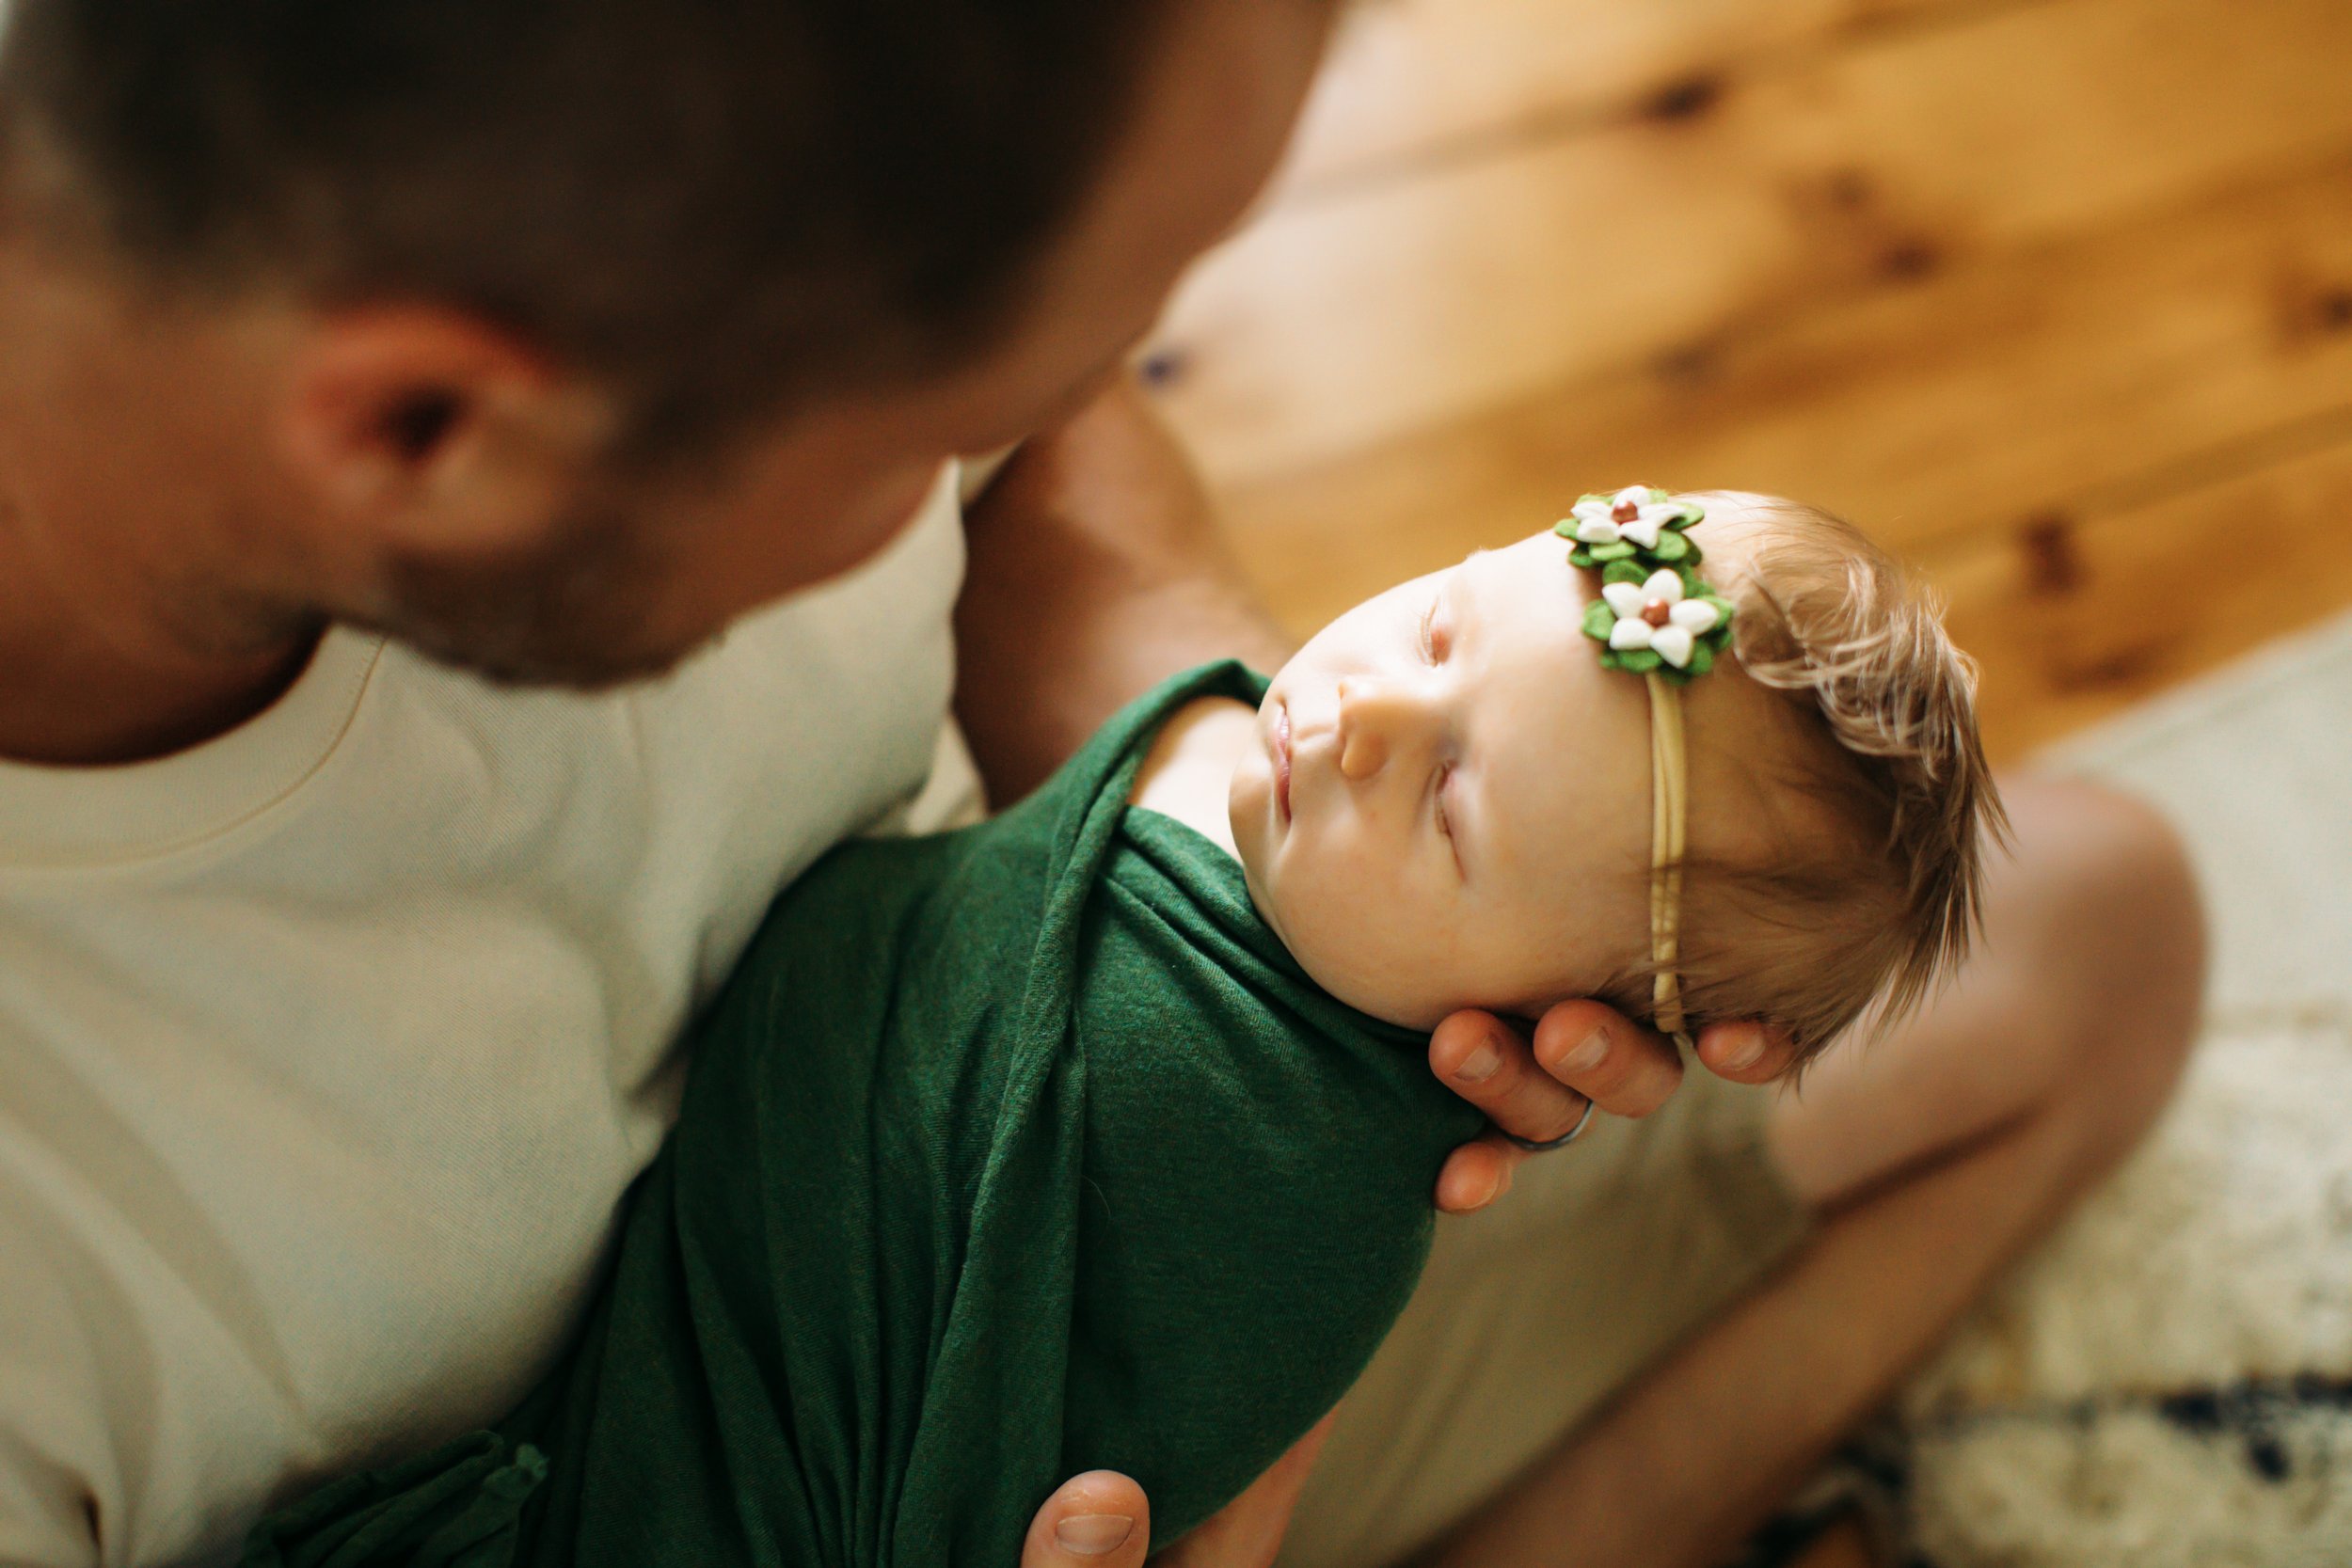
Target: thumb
<point x="1097" y="1520"/>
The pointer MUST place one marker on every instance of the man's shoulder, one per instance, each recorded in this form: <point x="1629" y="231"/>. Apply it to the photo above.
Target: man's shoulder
<point x="290" y="1025"/>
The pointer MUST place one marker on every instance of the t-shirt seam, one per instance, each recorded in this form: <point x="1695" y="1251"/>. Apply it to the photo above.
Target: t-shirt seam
<point x="163" y="854"/>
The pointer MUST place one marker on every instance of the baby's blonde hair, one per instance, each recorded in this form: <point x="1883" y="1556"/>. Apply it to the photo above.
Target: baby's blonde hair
<point x="1870" y="922"/>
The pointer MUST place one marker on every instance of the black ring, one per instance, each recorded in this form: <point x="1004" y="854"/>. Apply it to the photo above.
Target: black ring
<point x="1561" y="1142"/>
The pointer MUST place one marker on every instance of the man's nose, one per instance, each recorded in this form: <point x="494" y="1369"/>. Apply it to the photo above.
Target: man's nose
<point x="1379" y="719"/>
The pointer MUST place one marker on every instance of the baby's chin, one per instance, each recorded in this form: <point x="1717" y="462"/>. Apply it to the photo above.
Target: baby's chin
<point x="1249" y="810"/>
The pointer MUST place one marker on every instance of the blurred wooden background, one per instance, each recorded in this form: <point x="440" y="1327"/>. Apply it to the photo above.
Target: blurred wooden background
<point x="2055" y="296"/>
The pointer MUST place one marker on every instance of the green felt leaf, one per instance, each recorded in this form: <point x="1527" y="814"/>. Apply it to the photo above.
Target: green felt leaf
<point x="1622" y="549"/>
<point x="1565" y="528"/>
<point x="1701" y="659"/>
<point x="1639" y="660"/>
<point x="1671" y="545"/>
<point x="1583" y="557"/>
<point x="1624" y="571"/>
<point x="1599" y="619"/>
<point x="1692" y="513"/>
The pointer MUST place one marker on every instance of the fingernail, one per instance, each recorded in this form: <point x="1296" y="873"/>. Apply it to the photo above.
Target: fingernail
<point x="1588" y="1053"/>
<point x="1468" y="1199"/>
<point x="1479" y="1065"/>
<point x="1748" y="1051"/>
<point x="1093" y="1534"/>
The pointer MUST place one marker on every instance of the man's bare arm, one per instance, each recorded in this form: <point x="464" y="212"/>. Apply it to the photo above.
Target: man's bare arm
<point x="1097" y="569"/>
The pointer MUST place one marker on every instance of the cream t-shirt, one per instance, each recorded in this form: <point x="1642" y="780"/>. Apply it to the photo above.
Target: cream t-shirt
<point x="326" y="1049"/>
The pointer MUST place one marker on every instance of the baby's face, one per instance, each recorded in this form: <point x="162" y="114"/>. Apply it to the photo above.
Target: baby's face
<point x="1449" y="803"/>
<point x="1451" y="793"/>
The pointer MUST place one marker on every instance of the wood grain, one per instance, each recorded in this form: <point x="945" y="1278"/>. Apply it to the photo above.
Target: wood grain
<point x="2077" y="614"/>
<point x="1336" y="324"/>
<point x="1966" y="405"/>
<point x="1412" y="81"/>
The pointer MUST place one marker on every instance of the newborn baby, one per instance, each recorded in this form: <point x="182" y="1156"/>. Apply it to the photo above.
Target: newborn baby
<point x="1100" y="1134"/>
<point x="1440" y="801"/>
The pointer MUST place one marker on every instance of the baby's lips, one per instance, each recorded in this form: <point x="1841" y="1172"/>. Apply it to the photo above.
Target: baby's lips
<point x="1282" y="761"/>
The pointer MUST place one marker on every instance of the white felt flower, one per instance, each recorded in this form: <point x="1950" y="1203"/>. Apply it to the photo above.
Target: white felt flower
<point x="1631" y="514"/>
<point x="1656" y="614"/>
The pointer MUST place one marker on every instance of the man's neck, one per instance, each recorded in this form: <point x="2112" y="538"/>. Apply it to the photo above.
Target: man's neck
<point x="108" y="654"/>
<point x="87" y="684"/>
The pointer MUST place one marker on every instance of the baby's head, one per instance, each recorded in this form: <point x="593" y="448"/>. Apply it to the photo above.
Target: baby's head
<point x="1452" y="804"/>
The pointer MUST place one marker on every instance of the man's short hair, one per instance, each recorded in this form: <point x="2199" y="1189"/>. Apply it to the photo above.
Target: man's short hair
<point x="711" y="204"/>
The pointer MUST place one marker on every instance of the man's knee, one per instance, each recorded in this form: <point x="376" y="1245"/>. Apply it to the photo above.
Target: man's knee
<point x="2075" y="1010"/>
<point x="2106" y="904"/>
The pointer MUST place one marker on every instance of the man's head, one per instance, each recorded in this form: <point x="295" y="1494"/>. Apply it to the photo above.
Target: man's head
<point x="1451" y="807"/>
<point x="553" y="336"/>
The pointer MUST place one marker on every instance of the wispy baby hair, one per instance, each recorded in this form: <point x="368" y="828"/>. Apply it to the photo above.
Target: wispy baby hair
<point x="1858" y="643"/>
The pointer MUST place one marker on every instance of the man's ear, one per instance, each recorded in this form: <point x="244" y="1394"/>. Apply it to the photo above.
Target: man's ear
<point x="432" y="432"/>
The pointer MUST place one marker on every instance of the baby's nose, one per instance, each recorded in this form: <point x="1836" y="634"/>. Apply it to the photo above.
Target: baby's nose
<point x="1375" y="717"/>
<point x="1361" y="752"/>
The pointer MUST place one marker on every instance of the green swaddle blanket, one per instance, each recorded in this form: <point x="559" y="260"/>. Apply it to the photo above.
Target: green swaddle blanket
<point x="1005" y="1154"/>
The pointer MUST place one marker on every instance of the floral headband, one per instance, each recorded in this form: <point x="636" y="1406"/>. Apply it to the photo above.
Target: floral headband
<point x="1656" y="618"/>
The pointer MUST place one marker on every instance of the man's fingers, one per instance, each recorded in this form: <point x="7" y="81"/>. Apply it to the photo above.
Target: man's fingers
<point x="1746" y="1052"/>
<point x="1595" y="1051"/>
<point x="1097" y="1520"/>
<point x="1477" y="1173"/>
<point x="1484" y="1060"/>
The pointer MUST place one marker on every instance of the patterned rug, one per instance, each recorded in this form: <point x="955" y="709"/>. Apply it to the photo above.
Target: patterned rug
<point x="2170" y="1380"/>
<point x="2167" y="1381"/>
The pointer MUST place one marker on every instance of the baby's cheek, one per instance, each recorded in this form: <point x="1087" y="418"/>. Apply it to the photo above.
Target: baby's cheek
<point x="1385" y="945"/>
<point x="1443" y="948"/>
<point x="1453" y="961"/>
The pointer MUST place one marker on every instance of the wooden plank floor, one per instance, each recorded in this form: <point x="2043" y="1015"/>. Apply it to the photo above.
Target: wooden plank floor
<point x="2053" y="295"/>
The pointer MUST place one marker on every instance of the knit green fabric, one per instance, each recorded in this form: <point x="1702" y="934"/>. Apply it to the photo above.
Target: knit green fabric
<point x="1006" y="1154"/>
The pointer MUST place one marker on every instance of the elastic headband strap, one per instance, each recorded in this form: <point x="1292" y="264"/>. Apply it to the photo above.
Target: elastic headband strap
<point x="1669" y="823"/>
<point x="1656" y="618"/>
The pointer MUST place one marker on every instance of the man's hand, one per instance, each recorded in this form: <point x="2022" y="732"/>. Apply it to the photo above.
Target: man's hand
<point x="1581" y="1050"/>
<point x="1103" y="1520"/>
